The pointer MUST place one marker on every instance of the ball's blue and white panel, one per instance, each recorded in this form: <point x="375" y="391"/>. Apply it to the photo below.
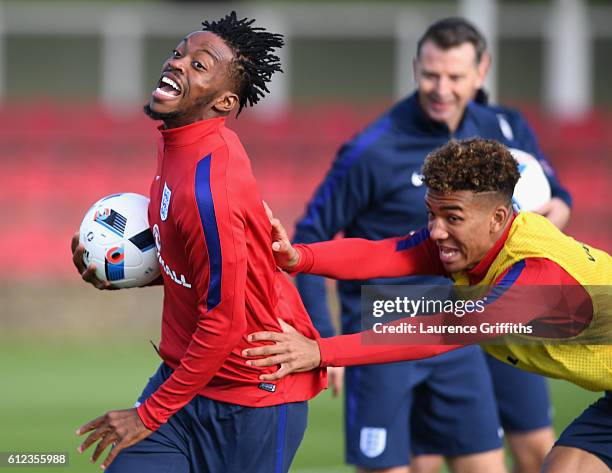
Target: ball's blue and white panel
<point x="532" y="191"/>
<point x="144" y="240"/>
<point x="111" y="219"/>
<point x="116" y="235"/>
<point x="114" y="264"/>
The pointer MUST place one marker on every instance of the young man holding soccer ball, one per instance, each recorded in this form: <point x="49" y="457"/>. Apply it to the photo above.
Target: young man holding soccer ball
<point x="213" y="235"/>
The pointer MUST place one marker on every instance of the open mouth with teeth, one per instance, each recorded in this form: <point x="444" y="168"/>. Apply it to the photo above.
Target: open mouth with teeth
<point x="167" y="88"/>
<point x="447" y="254"/>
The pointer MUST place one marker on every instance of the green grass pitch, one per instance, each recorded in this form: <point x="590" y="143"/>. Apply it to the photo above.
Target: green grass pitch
<point x="50" y="388"/>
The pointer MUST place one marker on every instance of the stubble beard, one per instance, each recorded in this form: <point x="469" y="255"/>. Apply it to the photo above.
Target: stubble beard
<point x="171" y="119"/>
<point x="160" y="115"/>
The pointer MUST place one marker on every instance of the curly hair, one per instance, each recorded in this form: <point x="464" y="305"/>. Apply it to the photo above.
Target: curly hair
<point x="254" y="62"/>
<point x="476" y="165"/>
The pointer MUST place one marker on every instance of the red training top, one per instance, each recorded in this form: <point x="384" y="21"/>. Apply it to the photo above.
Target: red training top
<point x="418" y="254"/>
<point x="220" y="280"/>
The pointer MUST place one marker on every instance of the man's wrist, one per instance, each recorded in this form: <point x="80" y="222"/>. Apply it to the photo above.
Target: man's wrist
<point x="325" y="352"/>
<point x="305" y="259"/>
<point x="146" y="418"/>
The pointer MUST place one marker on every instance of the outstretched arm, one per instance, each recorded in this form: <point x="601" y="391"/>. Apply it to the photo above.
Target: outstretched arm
<point x="296" y="353"/>
<point x="551" y="302"/>
<point x="356" y="258"/>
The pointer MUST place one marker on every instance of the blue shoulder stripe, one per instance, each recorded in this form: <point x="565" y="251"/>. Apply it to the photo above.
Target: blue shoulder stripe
<point x="506" y="282"/>
<point x="206" y="209"/>
<point x="412" y="240"/>
<point x="344" y="164"/>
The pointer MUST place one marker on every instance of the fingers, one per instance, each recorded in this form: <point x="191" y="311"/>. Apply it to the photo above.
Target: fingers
<point x="90" y="425"/>
<point x="90" y="276"/>
<point x="286" y="327"/>
<point x="336" y="380"/>
<point x="88" y="273"/>
<point x="77" y="256"/>
<point x="268" y="210"/>
<point x="99" y="429"/>
<point x="271" y="360"/>
<point x="557" y="211"/>
<point x="281" y="373"/>
<point x="105" y="442"/>
<point x="279" y="234"/>
<point x="74" y="242"/>
<point x="281" y="246"/>
<point x="277" y="226"/>
<point x="112" y="455"/>
<point x="95" y="435"/>
<point x="544" y="210"/>
<point x="119" y="428"/>
<point x="266" y="336"/>
<point x="275" y="349"/>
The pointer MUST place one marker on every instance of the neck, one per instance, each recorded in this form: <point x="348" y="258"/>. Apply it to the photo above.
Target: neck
<point x="506" y="224"/>
<point x="453" y="125"/>
<point x="477" y="272"/>
<point x="179" y="121"/>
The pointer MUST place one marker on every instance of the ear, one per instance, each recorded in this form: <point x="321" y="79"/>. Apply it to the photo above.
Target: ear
<point x="499" y="217"/>
<point x="415" y="68"/>
<point x="483" y="68"/>
<point x="226" y="102"/>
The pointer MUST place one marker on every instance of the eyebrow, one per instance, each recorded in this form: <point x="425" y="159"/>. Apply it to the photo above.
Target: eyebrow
<point x="210" y="53"/>
<point x="446" y="207"/>
<point x="451" y="207"/>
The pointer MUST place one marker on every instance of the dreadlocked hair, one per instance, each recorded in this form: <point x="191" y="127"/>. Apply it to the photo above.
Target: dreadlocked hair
<point x="254" y="63"/>
<point x="476" y="165"/>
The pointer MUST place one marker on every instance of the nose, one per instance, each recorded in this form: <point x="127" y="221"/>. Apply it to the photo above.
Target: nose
<point x="437" y="232"/>
<point x="176" y="64"/>
<point x="442" y="86"/>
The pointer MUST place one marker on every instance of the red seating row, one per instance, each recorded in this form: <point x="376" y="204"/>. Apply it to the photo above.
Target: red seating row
<point x="57" y="159"/>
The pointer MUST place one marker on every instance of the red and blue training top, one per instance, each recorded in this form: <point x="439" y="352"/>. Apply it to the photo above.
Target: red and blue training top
<point x="220" y="280"/>
<point x="562" y="307"/>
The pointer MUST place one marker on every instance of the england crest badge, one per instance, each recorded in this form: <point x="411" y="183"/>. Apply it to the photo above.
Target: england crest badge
<point x="165" y="203"/>
<point x="372" y="441"/>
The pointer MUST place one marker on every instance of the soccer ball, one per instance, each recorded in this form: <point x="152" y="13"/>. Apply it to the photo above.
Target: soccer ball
<point x="117" y="239"/>
<point x="532" y="190"/>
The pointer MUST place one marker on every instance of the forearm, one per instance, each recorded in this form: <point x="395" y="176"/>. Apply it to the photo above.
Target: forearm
<point x="208" y="350"/>
<point x="349" y="350"/>
<point x="360" y="259"/>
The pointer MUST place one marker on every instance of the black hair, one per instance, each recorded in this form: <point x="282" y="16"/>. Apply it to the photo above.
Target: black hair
<point x="451" y="32"/>
<point x="254" y="63"/>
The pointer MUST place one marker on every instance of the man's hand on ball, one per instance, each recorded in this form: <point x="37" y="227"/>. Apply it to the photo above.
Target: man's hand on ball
<point x="285" y="255"/>
<point x="88" y="273"/>
<point x="557" y="211"/>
